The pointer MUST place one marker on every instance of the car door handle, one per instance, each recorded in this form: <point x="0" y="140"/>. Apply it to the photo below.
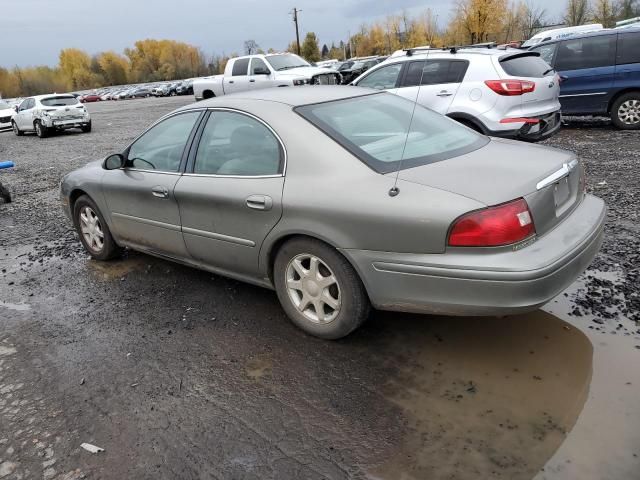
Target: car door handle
<point x="160" y="192"/>
<point x="259" y="202"/>
<point x="252" y="80"/>
<point x="230" y="81"/>
<point x="444" y="93"/>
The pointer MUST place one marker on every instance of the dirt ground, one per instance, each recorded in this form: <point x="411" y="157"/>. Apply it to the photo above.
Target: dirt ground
<point x="179" y="374"/>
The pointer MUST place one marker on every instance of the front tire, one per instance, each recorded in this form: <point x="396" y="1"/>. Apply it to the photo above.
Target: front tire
<point x="86" y="128"/>
<point x="41" y="130"/>
<point x="319" y="290"/>
<point x="625" y="111"/>
<point x="16" y="130"/>
<point x="93" y="230"/>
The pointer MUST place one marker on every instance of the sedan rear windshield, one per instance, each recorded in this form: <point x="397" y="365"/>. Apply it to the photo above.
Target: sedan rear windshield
<point x="527" y="65"/>
<point x="375" y="128"/>
<point x="59" y="101"/>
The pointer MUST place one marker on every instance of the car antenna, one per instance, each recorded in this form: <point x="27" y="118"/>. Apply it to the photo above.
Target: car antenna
<point x="394" y="191"/>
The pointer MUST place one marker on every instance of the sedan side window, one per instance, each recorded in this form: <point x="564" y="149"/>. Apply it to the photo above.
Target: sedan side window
<point x="161" y="147"/>
<point x="382" y="78"/>
<point x="236" y="144"/>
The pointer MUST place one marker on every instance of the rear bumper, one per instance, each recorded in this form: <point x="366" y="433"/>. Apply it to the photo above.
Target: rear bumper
<point x="547" y="126"/>
<point x="468" y="282"/>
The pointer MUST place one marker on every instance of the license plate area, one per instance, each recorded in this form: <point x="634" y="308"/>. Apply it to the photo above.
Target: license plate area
<point x="561" y="192"/>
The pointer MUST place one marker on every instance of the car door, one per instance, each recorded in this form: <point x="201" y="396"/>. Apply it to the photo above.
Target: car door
<point x="239" y="81"/>
<point x="383" y="78"/>
<point x="24" y="117"/>
<point x="231" y="195"/>
<point x="257" y="78"/>
<point x="140" y="197"/>
<point x="433" y="83"/>
<point x="627" y="61"/>
<point x="586" y="66"/>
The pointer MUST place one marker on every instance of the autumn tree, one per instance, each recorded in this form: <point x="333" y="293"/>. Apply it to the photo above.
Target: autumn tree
<point x="76" y="69"/>
<point x="482" y="20"/>
<point x="606" y="13"/>
<point x="577" y="12"/>
<point x="309" y="48"/>
<point x="113" y="67"/>
<point x="628" y="9"/>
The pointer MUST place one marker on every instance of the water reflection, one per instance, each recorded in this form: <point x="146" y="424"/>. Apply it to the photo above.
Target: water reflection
<point x="481" y="397"/>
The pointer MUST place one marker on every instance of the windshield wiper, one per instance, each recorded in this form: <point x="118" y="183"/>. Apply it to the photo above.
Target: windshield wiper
<point x="547" y="71"/>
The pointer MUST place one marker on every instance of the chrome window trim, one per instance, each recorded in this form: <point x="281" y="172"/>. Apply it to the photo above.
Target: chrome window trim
<point x="258" y="119"/>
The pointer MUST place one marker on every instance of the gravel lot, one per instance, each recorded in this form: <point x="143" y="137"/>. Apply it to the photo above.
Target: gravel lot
<point x="180" y="374"/>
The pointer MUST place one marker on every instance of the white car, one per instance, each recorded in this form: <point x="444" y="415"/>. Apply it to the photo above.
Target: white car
<point x="253" y="72"/>
<point x="43" y="114"/>
<point x="501" y="93"/>
<point x="6" y="114"/>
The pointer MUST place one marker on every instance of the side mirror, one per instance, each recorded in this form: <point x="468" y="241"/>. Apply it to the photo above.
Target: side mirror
<point x="261" y="71"/>
<point x="113" y="162"/>
<point x="16" y="108"/>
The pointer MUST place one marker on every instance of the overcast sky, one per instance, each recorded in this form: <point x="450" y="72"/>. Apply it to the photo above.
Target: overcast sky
<point x="34" y="31"/>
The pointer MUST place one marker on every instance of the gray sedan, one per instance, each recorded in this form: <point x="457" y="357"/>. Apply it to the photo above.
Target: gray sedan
<point x="341" y="199"/>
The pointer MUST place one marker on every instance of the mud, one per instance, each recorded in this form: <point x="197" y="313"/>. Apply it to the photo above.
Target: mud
<point x="180" y="374"/>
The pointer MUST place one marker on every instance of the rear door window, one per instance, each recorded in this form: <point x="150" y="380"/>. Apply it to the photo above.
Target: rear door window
<point x="628" y="48"/>
<point x="435" y="72"/>
<point x="240" y="67"/>
<point x="531" y="66"/>
<point x="588" y="52"/>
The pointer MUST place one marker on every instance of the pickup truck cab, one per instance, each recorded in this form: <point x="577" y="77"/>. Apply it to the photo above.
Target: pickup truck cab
<point x="600" y="74"/>
<point x="253" y="72"/>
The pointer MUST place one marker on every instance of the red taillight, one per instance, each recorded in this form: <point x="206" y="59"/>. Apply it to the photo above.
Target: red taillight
<point x="494" y="226"/>
<point x="511" y="87"/>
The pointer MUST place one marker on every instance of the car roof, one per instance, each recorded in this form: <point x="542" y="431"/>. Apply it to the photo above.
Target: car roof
<point x="294" y="96"/>
<point x="598" y="33"/>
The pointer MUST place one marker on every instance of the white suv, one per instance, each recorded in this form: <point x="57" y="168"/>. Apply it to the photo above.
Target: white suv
<point x="43" y="114"/>
<point x="502" y="93"/>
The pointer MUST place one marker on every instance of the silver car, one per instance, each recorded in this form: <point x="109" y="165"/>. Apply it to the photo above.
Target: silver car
<point x="341" y="199"/>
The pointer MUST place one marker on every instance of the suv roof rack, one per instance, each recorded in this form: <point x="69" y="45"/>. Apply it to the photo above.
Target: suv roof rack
<point x="452" y="48"/>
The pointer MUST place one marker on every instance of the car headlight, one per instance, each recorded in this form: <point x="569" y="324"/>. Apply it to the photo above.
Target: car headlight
<point x="302" y="81"/>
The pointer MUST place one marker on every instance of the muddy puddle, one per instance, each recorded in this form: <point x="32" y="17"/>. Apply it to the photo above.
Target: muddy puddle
<point x="485" y="398"/>
<point x="117" y="269"/>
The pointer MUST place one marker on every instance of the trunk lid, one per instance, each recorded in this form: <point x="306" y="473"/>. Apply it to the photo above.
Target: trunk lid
<point x="530" y="67"/>
<point x="549" y="179"/>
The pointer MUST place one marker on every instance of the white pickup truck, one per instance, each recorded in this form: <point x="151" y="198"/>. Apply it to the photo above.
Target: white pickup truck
<point x="263" y="71"/>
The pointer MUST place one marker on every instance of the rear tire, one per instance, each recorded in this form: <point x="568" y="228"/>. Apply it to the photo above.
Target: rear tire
<point x="41" y="130"/>
<point x="625" y="111"/>
<point x="319" y="289"/>
<point x="93" y="230"/>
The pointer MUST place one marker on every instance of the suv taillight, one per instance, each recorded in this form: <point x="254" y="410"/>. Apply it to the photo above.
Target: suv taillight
<point x="510" y="87"/>
<point x="494" y="226"/>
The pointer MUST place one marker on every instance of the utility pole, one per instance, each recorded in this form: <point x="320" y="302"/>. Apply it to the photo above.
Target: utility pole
<point x="295" y="12"/>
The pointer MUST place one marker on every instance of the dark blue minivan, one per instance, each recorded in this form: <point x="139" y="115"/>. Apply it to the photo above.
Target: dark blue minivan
<point x="600" y="74"/>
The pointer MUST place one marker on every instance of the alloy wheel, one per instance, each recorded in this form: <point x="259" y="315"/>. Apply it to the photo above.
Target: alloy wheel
<point x="313" y="288"/>
<point x="91" y="229"/>
<point x="629" y="112"/>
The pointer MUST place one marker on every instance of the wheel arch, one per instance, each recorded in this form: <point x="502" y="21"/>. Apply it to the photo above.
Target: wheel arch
<point x="615" y="97"/>
<point x="465" y="118"/>
<point x="276" y="244"/>
<point x="208" y="93"/>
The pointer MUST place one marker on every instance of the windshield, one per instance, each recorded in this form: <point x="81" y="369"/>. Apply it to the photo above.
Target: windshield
<point x="59" y="101"/>
<point x="286" y="62"/>
<point x="374" y="128"/>
<point x="4" y="105"/>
